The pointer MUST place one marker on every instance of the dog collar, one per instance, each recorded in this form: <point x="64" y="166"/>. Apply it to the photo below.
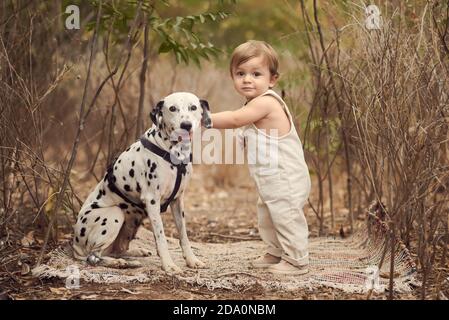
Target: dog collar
<point x="161" y="152"/>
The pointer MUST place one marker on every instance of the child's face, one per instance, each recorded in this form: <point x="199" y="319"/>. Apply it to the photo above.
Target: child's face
<point x="253" y="77"/>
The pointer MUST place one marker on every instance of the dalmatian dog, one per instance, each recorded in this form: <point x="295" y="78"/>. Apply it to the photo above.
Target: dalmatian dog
<point x="142" y="182"/>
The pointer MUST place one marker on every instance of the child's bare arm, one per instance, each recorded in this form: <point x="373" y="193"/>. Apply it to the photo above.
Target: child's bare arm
<point x="255" y="110"/>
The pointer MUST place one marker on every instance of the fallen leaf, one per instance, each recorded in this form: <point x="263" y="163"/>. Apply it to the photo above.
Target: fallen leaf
<point x="129" y="291"/>
<point x="28" y="240"/>
<point x="25" y="269"/>
<point x="66" y="236"/>
<point x="61" y="290"/>
<point x="386" y="275"/>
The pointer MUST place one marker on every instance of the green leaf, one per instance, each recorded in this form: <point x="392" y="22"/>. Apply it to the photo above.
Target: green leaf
<point x="222" y="15"/>
<point x="203" y="54"/>
<point x="178" y="23"/>
<point x="213" y="18"/>
<point x="178" y="56"/>
<point x="184" y="55"/>
<point x="165" y="2"/>
<point x="165" y="47"/>
<point x="195" y="59"/>
<point x="194" y="36"/>
<point x="186" y="33"/>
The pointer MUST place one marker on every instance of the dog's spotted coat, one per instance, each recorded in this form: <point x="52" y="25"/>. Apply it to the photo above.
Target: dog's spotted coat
<point x="107" y="222"/>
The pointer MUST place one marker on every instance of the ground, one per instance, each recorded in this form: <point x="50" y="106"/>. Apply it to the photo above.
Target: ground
<point x="220" y="208"/>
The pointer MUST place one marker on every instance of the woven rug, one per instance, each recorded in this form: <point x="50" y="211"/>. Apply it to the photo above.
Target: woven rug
<point x="350" y="264"/>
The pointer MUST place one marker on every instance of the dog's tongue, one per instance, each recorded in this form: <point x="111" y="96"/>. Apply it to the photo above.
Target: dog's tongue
<point x="181" y="135"/>
<point x="184" y="135"/>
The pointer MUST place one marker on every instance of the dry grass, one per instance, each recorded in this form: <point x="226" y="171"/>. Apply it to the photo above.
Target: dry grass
<point x="377" y="127"/>
<point x="385" y="92"/>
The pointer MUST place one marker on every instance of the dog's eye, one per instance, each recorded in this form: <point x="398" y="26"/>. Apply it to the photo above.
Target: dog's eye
<point x="172" y="108"/>
<point x="193" y="108"/>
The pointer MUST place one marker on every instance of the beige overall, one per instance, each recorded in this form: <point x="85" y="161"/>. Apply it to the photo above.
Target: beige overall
<point x="284" y="186"/>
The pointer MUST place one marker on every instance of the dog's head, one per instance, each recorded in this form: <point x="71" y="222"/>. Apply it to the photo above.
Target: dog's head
<point x="180" y="114"/>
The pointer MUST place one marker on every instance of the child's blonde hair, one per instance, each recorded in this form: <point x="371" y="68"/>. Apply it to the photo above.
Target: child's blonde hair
<point x="252" y="49"/>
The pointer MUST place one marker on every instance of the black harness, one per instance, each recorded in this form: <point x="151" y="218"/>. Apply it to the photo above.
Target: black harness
<point x="180" y="171"/>
<point x="111" y="185"/>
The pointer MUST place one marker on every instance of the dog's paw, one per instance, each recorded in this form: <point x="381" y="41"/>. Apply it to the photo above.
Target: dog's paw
<point x="138" y="252"/>
<point x="195" y="263"/>
<point x="171" y="268"/>
<point x="119" y="263"/>
<point x="133" y="264"/>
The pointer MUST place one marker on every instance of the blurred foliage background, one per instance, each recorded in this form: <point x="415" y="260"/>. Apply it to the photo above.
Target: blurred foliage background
<point x="371" y="106"/>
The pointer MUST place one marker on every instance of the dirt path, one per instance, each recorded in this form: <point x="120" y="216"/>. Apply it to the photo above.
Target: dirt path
<point x="220" y="209"/>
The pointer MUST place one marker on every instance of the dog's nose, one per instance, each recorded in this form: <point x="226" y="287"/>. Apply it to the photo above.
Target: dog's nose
<point x="186" y="125"/>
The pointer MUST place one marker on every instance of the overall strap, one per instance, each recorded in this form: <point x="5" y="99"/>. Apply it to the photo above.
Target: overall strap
<point x="272" y="93"/>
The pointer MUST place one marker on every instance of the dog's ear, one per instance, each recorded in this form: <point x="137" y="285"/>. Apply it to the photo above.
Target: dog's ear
<point x="206" y="120"/>
<point x="155" y="113"/>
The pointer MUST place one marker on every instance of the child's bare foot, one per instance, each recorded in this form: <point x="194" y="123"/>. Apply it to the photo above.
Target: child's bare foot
<point x="284" y="267"/>
<point x="265" y="261"/>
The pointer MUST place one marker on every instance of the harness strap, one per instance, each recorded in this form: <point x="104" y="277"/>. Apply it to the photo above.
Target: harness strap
<point x="180" y="168"/>
<point x="113" y="188"/>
